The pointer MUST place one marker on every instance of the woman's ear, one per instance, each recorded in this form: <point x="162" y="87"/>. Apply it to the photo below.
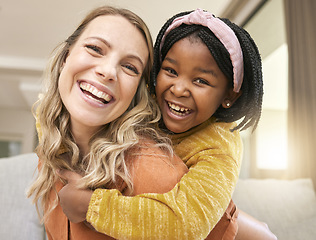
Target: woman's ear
<point x="231" y="98"/>
<point x="64" y="62"/>
<point x="62" y="66"/>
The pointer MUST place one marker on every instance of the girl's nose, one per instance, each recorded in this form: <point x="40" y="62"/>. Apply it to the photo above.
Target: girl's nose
<point x="180" y="88"/>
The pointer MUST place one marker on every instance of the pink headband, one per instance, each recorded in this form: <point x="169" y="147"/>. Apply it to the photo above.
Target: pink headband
<point x="224" y="33"/>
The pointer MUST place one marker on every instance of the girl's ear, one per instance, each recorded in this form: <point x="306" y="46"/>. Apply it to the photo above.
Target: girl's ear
<point x="230" y="98"/>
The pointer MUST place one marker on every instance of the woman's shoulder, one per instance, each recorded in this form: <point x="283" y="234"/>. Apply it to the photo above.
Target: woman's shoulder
<point x="153" y="170"/>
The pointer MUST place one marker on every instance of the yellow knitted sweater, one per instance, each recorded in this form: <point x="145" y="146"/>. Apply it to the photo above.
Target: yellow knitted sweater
<point x="193" y="207"/>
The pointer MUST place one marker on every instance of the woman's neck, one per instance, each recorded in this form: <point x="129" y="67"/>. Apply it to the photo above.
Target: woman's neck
<point x="82" y="136"/>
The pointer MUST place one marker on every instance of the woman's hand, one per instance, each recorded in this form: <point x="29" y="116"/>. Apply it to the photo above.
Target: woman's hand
<point x="74" y="201"/>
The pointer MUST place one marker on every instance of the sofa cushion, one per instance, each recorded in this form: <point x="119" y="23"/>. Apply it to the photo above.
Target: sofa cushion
<point x="287" y="206"/>
<point x="18" y="215"/>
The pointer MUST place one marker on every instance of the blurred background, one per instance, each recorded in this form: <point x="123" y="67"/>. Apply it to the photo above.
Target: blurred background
<point x="282" y="146"/>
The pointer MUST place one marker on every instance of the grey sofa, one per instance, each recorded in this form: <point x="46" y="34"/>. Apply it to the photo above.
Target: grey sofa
<point x="17" y="214"/>
<point x="288" y="207"/>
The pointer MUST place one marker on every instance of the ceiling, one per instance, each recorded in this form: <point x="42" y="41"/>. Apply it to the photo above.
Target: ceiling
<point x="31" y="29"/>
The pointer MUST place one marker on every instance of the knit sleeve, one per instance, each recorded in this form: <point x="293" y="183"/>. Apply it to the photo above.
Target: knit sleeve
<point x="192" y="208"/>
<point x="38" y="128"/>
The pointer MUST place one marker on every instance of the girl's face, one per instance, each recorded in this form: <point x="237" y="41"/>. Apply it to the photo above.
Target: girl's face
<point x="101" y="73"/>
<point x="190" y="86"/>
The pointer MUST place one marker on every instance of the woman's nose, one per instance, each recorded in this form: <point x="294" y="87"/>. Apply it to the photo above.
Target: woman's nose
<point x="107" y="70"/>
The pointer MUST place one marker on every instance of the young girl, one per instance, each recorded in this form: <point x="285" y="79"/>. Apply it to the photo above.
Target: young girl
<point x="198" y="66"/>
<point x="96" y="117"/>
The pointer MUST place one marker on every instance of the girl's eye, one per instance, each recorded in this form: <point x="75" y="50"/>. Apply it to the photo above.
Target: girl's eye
<point x="94" y="48"/>
<point x="170" y="71"/>
<point x="131" y="68"/>
<point x="202" y="81"/>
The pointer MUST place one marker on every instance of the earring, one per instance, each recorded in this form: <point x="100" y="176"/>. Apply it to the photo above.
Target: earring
<point x="228" y="104"/>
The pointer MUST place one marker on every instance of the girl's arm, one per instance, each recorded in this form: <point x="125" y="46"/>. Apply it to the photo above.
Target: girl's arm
<point x="192" y="208"/>
<point x="151" y="171"/>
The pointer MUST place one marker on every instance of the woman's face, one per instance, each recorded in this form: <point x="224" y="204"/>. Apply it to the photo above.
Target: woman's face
<point x="101" y="73"/>
<point x="190" y="86"/>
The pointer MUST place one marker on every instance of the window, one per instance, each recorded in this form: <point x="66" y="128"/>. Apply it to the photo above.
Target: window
<point x="267" y="28"/>
<point x="9" y="148"/>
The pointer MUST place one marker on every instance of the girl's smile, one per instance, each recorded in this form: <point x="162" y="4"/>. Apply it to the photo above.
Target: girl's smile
<point x="190" y="85"/>
<point x="178" y="109"/>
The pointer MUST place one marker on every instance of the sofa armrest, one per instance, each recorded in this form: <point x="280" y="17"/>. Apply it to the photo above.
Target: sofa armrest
<point x="287" y="206"/>
<point x="18" y="215"/>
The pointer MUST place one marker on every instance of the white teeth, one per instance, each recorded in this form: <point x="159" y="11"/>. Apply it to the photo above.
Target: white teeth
<point x="94" y="91"/>
<point x="180" y="111"/>
<point x="99" y="94"/>
<point x="94" y="99"/>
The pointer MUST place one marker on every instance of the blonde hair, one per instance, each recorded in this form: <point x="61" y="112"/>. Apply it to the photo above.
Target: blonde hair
<point x="105" y="164"/>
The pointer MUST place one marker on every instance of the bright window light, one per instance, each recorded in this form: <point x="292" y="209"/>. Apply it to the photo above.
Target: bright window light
<point x="271" y="134"/>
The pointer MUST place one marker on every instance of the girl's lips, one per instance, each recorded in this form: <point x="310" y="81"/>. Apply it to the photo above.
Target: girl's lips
<point x="177" y="110"/>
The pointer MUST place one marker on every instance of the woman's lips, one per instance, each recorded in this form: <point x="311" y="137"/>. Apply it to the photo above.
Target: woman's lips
<point x="94" y="93"/>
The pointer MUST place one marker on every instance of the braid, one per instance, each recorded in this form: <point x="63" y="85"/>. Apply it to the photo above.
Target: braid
<point x="248" y="106"/>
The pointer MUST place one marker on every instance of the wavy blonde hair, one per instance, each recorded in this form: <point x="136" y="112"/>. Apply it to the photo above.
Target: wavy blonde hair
<point x="105" y="164"/>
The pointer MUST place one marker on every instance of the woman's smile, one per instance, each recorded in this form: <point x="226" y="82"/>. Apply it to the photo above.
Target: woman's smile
<point x="101" y="73"/>
<point x="93" y="93"/>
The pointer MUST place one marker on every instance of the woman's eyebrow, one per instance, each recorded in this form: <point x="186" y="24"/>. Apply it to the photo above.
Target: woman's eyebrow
<point x="102" y="40"/>
<point x="136" y="58"/>
<point x="109" y="45"/>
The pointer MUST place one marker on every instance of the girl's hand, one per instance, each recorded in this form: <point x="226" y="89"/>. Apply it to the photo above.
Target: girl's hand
<point x="74" y="201"/>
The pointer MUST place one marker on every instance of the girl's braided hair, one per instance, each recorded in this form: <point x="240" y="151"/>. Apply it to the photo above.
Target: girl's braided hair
<point x="248" y="106"/>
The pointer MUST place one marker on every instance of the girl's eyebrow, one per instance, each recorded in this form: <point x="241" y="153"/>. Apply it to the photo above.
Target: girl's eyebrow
<point x="170" y="60"/>
<point x="207" y="71"/>
<point x="202" y="70"/>
<point x="110" y="46"/>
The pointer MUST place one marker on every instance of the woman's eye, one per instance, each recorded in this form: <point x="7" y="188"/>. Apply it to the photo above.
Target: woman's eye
<point x="94" y="48"/>
<point x="131" y="68"/>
